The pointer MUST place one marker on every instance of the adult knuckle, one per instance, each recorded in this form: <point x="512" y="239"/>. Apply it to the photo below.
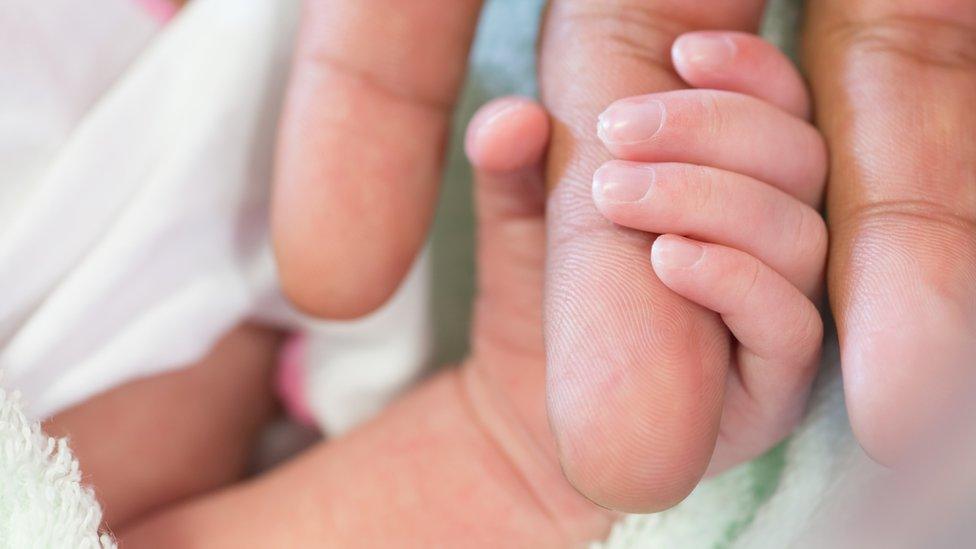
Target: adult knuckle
<point x="373" y="82"/>
<point x="916" y="39"/>
<point x="624" y="28"/>
<point x="927" y="240"/>
<point x="923" y="213"/>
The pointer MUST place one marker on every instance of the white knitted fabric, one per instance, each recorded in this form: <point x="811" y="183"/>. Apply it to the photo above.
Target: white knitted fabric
<point x="43" y="503"/>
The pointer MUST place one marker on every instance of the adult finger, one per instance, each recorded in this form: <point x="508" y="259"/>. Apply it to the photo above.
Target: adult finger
<point x="636" y="372"/>
<point x="894" y="83"/>
<point x="361" y="143"/>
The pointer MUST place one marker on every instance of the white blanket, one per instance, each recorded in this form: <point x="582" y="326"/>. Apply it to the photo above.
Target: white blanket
<point x="42" y="501"/>
<point x="135" y="171"/>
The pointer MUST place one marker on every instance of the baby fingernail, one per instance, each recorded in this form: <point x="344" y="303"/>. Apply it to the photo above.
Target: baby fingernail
<point x="630" y="121"/>
<point x="706" y="51"/>
<point x="674" y="252"/>
<point x="614" y="182"/>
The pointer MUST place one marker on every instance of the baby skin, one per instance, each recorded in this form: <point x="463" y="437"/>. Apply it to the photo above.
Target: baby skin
<point x="468" y="459"/>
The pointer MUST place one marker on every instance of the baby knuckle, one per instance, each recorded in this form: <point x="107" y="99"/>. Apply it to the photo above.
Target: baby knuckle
<point x="811" y="235"/>
<point x="702" y="189"/>
<point x="707" y="116"/>
<point x="808" y="333"/>
<point x="748" y="282"/>
<point x="681" y="196"/>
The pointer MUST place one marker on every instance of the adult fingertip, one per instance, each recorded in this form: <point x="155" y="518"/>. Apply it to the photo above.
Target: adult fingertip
<point x="318" y="285"/>
<point x="906" y="385"/>
<point x="626" y="483"/>
<point x="348" y="297"/>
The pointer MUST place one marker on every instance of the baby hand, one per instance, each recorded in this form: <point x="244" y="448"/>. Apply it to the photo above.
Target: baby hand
<point x="731" y="175"/>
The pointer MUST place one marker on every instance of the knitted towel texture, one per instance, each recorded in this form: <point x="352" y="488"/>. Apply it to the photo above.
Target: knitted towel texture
<point x="43" y="503"/>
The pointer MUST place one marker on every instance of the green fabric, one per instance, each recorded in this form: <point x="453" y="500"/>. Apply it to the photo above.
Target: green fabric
<point x="764" y="474"/>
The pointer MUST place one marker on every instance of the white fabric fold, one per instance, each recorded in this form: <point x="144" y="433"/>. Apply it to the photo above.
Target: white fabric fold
<point x="138" y="235"/>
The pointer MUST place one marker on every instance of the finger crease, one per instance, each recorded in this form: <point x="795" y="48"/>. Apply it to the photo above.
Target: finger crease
<point x="329" y="64"/>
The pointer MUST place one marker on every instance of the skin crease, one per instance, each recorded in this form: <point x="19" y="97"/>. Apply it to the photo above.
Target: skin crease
<point x="466" y="459"/>
<point x="895" y="82"/>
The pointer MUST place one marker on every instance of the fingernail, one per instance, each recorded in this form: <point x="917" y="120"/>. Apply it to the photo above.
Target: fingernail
<point x="631" y="121"/>
<point x="675" y="252"/>
<point x="614" y="182"/>
<point x="705" y="51"/>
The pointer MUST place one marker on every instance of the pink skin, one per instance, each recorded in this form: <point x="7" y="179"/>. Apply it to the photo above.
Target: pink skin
<point x="710" y="59"/>
<point x="640" y="401"/>
<point x="290" y="380"/>
<point x="465" y="460"/>
<point x="161" y="10"/>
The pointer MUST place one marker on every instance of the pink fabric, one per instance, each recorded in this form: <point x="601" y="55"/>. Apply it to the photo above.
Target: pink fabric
<point x="291" y="380"/>
<point x="161" y="10"/>
<point x="290" y="376"/>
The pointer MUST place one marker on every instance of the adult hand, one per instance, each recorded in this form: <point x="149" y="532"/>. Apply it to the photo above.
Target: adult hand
<point x="894" y="83"/>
